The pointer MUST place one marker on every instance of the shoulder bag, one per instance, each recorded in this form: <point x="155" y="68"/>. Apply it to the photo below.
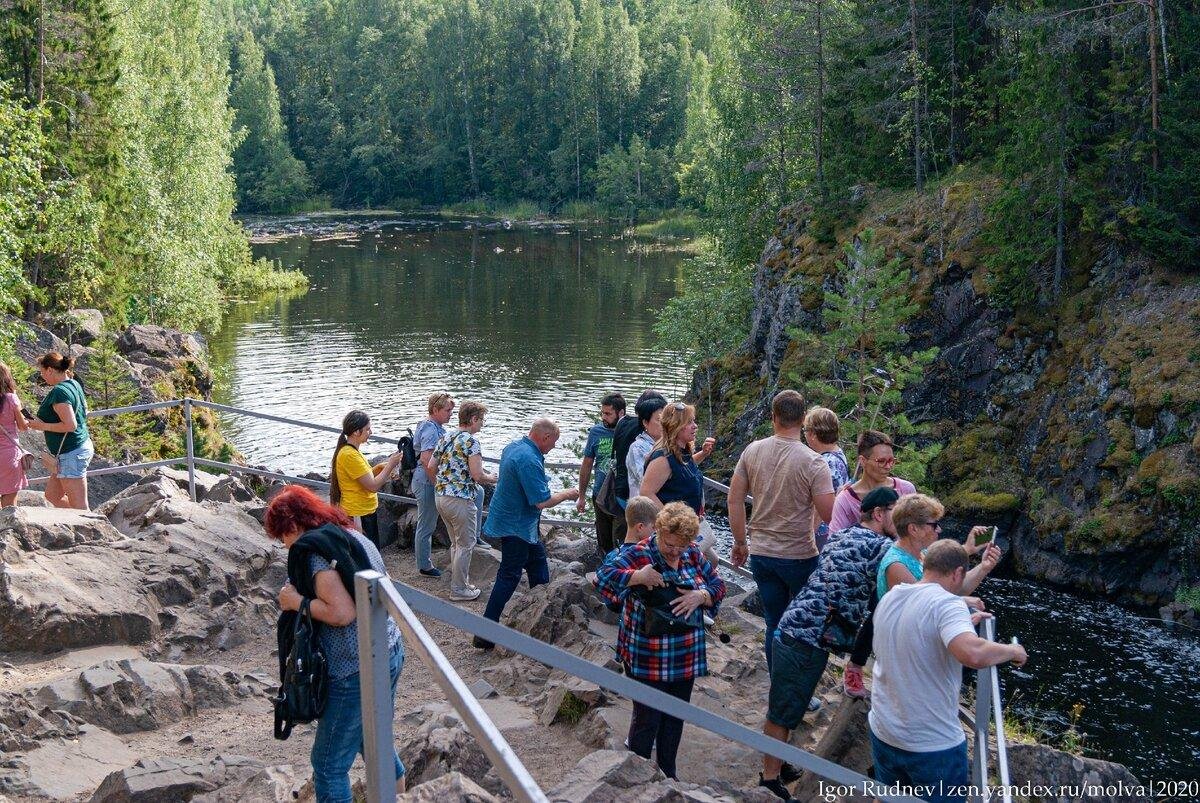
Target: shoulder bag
<point x="304" y="685"/>
<point x="25" y="458"/>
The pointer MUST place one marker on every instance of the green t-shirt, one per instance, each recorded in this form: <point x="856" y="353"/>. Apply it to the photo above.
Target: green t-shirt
<point x="66" y="391"/>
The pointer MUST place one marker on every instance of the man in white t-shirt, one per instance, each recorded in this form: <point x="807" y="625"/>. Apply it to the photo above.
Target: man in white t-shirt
<point x="924" y="636"/>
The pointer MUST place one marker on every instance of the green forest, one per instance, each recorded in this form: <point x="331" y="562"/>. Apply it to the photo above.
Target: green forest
<point x="130" y="132"/>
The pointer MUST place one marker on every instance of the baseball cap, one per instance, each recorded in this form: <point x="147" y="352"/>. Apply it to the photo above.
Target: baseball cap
<point x="880" y="497"/>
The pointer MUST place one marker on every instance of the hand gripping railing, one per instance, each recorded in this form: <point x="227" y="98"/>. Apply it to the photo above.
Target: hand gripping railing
<point x="376" y="594"/>
<point x="989" y="709"/>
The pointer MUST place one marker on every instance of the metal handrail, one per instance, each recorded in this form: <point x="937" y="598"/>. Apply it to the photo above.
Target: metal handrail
<point x="375" y="599"/>
<point x="393" y="595"/>
<point x="989" y="703"/>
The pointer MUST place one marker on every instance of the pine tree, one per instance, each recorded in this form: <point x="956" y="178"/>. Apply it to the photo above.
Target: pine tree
<point x="857" y="366"/>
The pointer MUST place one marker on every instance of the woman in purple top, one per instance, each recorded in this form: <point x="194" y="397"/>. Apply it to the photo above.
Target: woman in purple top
<point x="877" y="458"/>
<point x="12" y="421"/>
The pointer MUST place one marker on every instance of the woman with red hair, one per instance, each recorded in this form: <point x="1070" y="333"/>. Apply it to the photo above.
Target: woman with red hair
<point x="302" y="521"/>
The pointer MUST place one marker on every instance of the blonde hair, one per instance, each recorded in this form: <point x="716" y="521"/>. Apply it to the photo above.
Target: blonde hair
<point x="640" y="510"/>
<point x="678" y="521"/>
<point x="675" y="417"/>
<point x="439" y="400"/>
<point x="469" y="411"/>
<point x="823" y="423"/>
<point x="915" y="509"/>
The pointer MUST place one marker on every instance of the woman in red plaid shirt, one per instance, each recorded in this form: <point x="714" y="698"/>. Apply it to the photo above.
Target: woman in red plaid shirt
<point x="663" y="650"/>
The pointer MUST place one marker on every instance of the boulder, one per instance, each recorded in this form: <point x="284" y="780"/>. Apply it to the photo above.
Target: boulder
<point x="607" y="776"/>
<point x="70" y="579"/>
<point x="82" y="326"/>
<point x="278" y="784"/>
<point x="65" y="768"/>
<point x="158" y="341"/>
<point x="845" y="742"/>
<point x="169" y="780"/>
<point x="441" y="745"/>
<point x="230" y="488"/>
<point x="559" y="611"/>
<point x="453" y="786"/>
<point x="138" y="695"/>
<point x="32" y="341"/>
<point x="1049" y="768"/>
<point x="601" y="728"/>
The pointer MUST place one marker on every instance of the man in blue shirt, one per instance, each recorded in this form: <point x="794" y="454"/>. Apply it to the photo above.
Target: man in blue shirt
<point x="522" y="493"/>
<point x="598" y="453"/>
<point x="425" y="438"/>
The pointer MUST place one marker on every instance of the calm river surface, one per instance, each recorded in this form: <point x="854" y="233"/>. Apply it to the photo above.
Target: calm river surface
<point x="535" y="322"/>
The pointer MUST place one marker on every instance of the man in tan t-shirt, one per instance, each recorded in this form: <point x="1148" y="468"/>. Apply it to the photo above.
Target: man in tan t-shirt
<point x="788" y="481"/>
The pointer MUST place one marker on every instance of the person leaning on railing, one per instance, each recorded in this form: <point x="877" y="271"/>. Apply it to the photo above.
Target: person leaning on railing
<point x="12" y="422"/>
<point x="668" y="661"/>
<point x="63" y="417"/>
<point x="301" y="521"/>
<point x="353" y="484"/>
<point x="924" y="636"/>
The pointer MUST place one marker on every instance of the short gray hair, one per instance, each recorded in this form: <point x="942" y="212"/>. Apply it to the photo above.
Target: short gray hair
<point x="545" y="426"/>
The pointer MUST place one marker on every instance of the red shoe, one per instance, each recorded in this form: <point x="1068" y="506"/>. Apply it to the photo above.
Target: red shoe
<point x="852" y="683"/>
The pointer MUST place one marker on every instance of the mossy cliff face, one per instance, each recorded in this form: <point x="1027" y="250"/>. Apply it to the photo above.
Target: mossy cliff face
<point x="1072" y="425"/>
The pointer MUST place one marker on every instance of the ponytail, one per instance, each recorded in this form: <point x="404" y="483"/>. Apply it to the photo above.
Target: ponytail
<point x="353" y="422"/>
<point x="335" y="490"/>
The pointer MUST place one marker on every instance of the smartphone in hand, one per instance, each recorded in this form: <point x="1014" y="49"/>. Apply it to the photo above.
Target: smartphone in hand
<point x="988" y="537"/>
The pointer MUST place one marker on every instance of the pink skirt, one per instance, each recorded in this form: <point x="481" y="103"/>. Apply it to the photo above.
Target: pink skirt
<point x="12" y="476"/>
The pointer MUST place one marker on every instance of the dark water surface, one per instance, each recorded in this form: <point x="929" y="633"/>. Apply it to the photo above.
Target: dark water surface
<point x="549" y="323"/>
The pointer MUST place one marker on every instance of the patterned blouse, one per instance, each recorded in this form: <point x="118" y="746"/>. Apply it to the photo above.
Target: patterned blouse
<point x="665" y="658"/>
<point x="453" y="469"/>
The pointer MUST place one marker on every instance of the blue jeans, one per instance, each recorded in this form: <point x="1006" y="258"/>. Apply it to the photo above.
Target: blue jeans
<point x="943" y="774"/>
<point x="516" y="555"/>
<point x="340" y="736"/>
<point x="427" y="519"/>
<point x="779" y="580"/>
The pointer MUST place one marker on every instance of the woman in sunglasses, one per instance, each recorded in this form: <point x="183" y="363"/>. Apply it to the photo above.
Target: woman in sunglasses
<point x="876" y="458"/>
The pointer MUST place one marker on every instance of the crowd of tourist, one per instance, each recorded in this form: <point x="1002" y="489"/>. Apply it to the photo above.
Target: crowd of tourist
<point x="847" y="560"/>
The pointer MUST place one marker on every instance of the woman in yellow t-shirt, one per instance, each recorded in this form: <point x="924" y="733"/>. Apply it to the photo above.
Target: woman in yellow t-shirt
<point x="352" y="482"/>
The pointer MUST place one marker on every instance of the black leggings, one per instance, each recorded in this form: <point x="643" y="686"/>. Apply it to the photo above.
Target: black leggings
<point x="370" y="527"/>
<point x="650" y="727"/>
<point x="862" y="644"/>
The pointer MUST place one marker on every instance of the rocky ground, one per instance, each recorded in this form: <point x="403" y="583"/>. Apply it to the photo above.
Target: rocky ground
<point x="137" y="661"/>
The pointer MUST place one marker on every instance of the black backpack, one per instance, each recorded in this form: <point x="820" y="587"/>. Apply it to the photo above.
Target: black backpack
<point x="408" y="453"/>
<point x="304" y="674"/>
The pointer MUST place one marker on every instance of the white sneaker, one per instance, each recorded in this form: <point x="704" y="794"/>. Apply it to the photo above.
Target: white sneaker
<point x="465" y="595"/>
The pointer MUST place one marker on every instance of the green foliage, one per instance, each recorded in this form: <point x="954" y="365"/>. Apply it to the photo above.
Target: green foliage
<point x="122" y="438"/>
<point x="676" y="226"/>
<point x="269" y="177"/>
<point x="634" y="180"/>
<point x="711" y="312"/>
<point x="1189" y="595"/>
<point x="861" y="368"/>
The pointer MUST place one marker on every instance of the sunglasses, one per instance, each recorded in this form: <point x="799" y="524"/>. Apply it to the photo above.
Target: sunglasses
<point x="936" y="525"/>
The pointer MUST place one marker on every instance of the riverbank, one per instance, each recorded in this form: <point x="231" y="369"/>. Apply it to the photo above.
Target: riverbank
<point x="142" y="656"/>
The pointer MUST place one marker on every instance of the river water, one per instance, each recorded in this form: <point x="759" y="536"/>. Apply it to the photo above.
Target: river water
<point x="545" y="321"/>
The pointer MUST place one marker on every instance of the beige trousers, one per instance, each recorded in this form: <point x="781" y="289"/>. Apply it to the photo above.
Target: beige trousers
<point x="460" y="517"/>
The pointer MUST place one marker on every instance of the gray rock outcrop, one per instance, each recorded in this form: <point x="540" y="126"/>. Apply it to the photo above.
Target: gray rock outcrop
<point x="170" y="780"/>
<point x="1102" y="781"/>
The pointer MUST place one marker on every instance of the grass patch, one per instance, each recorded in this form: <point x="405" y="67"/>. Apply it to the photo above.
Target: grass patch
<point x="670" y="227"/>
<point x="519" y="209"/>
<point x="261" y="277"/>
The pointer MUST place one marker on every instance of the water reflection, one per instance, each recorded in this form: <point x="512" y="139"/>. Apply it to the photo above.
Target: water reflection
<point x="529" y="322"/>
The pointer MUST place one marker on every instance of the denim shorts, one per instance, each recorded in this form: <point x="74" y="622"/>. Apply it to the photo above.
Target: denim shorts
<point x="939" y="776"/>
<point x="796" y="668"/>
<point x="73" y="465"/>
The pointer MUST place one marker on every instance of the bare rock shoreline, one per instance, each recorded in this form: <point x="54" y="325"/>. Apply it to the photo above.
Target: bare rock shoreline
<point x="137" y="659"/>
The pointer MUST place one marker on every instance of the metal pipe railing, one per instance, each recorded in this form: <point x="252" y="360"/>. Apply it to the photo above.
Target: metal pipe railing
<point x="470" y="623"/>
<point x="375" y="598"/>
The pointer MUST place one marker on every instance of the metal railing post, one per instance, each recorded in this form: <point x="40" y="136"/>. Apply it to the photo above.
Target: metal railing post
<point x="998" y="717"/>
<point x="983" y="714"/>
<point x="191" y="451"/>
<point x="375" y="689"/>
